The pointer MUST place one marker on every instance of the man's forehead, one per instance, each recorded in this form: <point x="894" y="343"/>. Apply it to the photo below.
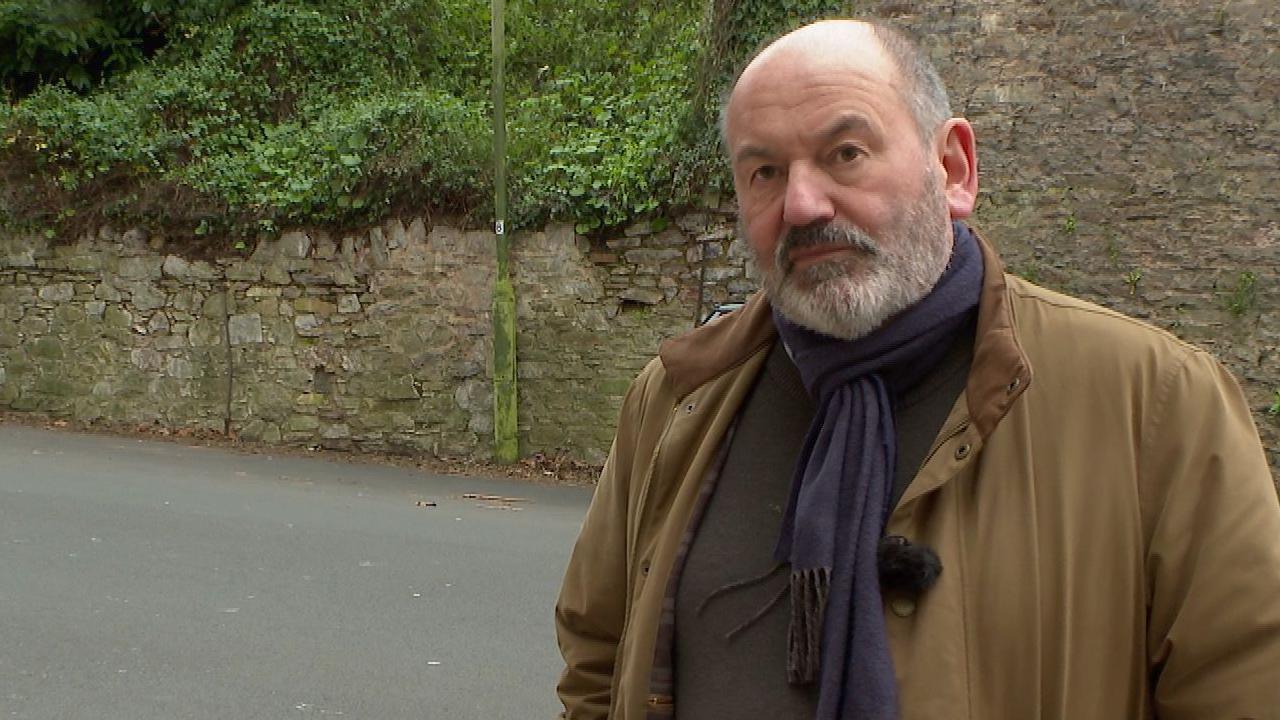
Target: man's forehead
<point x="832" y="45"/>
<point x="826" y="60"/>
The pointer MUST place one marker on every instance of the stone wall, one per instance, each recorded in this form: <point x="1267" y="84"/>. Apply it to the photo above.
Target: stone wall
<point x="1130" y="155"/>
<point x="590" y="316"/>
<point x="376" y="341"/>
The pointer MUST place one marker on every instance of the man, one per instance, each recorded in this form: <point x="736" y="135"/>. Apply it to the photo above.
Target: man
<point x="900" y="483"/>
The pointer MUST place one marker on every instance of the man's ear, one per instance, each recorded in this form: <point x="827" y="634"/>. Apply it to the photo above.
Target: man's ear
<point x="957" y="154"/>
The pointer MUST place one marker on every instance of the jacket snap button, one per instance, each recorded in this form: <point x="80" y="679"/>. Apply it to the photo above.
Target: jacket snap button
<point x="689" y="408"/>
<point x="1014" y="385"/>
<point x="962" y="452"/>
<point x="644" y="568"/>
<point x="903" y="607"/>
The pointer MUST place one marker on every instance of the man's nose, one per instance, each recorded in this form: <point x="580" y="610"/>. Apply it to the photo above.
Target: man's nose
<point x="807" y="200"/>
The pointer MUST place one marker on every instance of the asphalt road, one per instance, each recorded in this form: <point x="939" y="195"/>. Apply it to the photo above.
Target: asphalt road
<point x="148" y="580"/>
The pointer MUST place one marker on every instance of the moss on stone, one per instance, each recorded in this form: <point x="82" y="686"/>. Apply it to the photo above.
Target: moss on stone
<point x="47" y="348"/>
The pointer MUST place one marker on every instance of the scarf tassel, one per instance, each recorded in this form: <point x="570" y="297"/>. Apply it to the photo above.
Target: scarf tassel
<point x="809" y="592"/>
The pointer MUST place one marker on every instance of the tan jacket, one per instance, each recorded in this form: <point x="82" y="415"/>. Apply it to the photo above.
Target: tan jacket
<point x="1107" y="524"/>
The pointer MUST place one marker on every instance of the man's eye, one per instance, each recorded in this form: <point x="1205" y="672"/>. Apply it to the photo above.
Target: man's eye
<point x="847" y="153"/>
<point x="765" y="172"/>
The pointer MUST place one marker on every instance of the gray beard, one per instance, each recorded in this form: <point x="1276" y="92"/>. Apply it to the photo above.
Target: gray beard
<point x="851" y="296"/>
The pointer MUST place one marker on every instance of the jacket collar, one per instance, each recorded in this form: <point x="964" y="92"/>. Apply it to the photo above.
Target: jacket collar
<point x="998" y="375"/>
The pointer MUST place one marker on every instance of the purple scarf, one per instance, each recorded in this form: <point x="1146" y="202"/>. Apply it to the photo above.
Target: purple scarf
<point x="840" y="493"/>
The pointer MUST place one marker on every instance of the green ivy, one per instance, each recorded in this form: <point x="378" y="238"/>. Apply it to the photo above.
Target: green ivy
<point x="597" y="140"/>
<point x="81" y="42"/>
<point x="271" y="113"/>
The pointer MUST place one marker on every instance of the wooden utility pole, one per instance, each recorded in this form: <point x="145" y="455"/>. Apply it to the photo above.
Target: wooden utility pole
<point x="505" y="419"/>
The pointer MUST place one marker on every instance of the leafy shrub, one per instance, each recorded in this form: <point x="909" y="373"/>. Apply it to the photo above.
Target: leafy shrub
<point x="594" y="131"/>
<point x="79" y="42"/>
<point x="285" y="111"/>
<point x="338" y="111"/>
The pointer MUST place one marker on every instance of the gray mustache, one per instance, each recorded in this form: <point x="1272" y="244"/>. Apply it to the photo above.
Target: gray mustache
<point x="821" y="234"/>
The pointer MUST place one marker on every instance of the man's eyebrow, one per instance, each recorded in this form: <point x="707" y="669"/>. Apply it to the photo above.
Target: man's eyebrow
<point x="751" y="152"/>
<point x="850" y="122"/>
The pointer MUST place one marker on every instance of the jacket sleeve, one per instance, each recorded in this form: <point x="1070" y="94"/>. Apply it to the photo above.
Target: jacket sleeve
<point x="1212" y="524"/>
<point x="591" y="611"/>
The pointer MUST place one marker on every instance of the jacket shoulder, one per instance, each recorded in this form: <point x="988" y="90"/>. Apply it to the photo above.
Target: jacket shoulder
<point x="1067" y="326"/>
<point x="650" y="391"/>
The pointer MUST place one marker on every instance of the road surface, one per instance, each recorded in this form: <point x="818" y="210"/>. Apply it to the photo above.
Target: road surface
<point x="146" y="580"/>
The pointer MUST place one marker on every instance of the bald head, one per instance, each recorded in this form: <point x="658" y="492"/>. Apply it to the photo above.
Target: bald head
<point x="871" y="48"/>
<point x="848" y="42"/>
